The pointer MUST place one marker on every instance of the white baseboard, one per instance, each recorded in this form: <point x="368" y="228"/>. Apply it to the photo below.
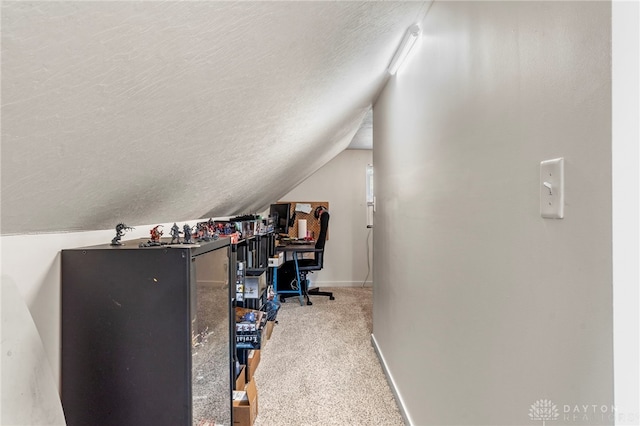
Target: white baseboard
<point x="313" y="283"/>
<point x="340" y="283"/>
<point x="392" y="383"/>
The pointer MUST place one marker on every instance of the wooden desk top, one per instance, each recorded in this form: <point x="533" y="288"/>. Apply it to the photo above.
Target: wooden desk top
<point x="307" y="245"/>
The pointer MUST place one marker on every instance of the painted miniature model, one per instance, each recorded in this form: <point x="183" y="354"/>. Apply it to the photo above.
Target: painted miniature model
<point x="121" y="228"/>
<point x="156" y="233"/>
<point x="204" y="233"/>
<point x="187" y="233"/>
<point x="175" y="234"/>
<point x="154" y="239"/>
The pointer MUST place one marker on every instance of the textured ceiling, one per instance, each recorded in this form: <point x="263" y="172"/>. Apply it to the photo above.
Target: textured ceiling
<point x="149" y="112"/>
<point x="363" y="139"/>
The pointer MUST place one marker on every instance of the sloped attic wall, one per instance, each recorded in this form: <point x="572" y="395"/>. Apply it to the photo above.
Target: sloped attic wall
<point x="149" y="112"/>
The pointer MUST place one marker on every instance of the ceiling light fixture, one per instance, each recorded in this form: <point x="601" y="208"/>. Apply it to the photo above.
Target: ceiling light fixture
<point x="406" y="44"/>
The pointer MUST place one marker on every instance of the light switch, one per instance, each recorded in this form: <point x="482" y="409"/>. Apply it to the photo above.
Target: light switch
<point x="552" y="188"/>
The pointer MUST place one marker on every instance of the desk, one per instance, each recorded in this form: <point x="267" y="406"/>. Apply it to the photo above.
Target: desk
<point x="287" y="249"/>
<point x="297" y="246"/>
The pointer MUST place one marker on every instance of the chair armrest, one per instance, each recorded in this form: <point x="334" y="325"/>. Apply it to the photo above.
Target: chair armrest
<point x="307" y="250"/>
<point x="314" y="250"/>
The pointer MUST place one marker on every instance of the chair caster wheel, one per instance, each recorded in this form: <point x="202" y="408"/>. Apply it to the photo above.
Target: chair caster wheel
<point x="309" y="303"/>
<point x="282" y="299"/>
<point x="332" y="298"/>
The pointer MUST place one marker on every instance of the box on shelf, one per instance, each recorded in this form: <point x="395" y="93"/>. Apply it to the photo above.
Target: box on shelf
<point x="270" y="325"/>
<point x="249" y="330"/>
<point x="253" y="285"/>
<point x="276" y="260"/>
<point x="245" y="405"/>
<point x="253" y="360"/>
<point x="241" y="312"/>
<point x="263" y="336"/>
<point x="241" y="380"/>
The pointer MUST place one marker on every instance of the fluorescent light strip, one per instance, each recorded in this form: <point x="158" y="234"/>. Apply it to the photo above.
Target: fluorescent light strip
<point x="406" y="44"/>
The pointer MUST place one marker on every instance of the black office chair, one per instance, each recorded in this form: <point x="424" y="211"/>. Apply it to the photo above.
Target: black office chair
<point x="304" y="266"/>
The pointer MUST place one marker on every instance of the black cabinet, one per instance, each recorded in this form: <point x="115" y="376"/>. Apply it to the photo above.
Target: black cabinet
<point x="147" y="334"/>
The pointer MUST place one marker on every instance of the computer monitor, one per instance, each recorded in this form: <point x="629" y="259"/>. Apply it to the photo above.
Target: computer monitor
<point x="281" y="214"/>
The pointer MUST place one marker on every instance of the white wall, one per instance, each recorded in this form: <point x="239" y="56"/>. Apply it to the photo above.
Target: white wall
<point x="341" y="182"/>
<point x="626" y="211"/>
<point x="481" y="307"/>
<point x="31" y="263"/>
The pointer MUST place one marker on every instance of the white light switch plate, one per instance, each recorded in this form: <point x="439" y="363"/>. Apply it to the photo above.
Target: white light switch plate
<point x="552" y="188"/>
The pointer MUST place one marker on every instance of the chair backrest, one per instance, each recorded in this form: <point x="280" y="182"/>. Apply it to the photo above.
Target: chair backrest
<point x="322" y="237"/>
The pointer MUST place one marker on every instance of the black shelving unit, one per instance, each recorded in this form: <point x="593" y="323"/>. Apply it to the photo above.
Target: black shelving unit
<point x="148" y="334"/>
<point x="254" y="253"/>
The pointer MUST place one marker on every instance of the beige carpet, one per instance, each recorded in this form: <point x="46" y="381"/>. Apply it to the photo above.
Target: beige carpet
<point x="319" y="367"/>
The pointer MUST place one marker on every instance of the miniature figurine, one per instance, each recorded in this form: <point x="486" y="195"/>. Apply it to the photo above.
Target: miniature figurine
<point x="154" y="240"/>
<point x="213" y="229"/>
<point x="156" y="233"/>
<point x="187" y="233"/>
<point x="220" y="228"/>
<point x="204" y="234"/>
<point x="121" y="228"/>
<point x="175" y="234"/>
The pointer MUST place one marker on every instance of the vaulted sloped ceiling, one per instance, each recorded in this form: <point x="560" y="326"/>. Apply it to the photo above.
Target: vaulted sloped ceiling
<point x="149" y="112"/>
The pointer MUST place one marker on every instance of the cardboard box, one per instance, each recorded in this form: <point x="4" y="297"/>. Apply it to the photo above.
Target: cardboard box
<point x="253" y="285"/>
<point x="242" y="311"/>
<point x="241" y="379"/>
<point x="245" y="405"/>
<point x="276" y="260"/>
<point x="253" y="360"/>
<point x="263" y="336"/>
<point x="270" y="325"/>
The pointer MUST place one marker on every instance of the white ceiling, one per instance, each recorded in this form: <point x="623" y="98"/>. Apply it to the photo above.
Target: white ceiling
<point x="150" y="112"/>
<point x="363" y="139"/>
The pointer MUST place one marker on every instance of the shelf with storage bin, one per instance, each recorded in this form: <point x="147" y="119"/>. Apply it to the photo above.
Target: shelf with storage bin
<point x="253" y="255"/>
<point x="249" y="326"/>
